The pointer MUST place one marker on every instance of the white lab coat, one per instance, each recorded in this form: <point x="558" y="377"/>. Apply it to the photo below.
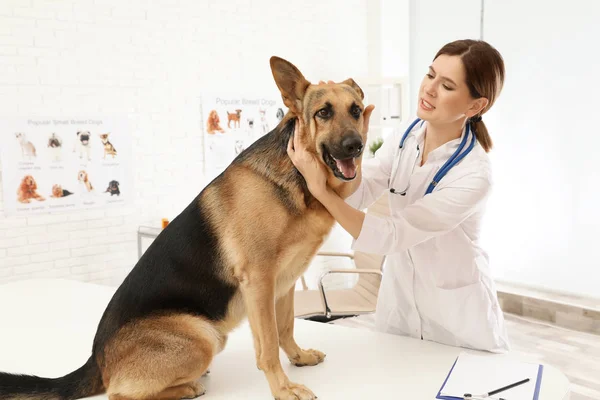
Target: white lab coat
<point x="436" y="281"/>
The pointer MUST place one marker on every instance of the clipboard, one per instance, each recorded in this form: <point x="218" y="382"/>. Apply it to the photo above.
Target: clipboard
<point x="533" y="396"/>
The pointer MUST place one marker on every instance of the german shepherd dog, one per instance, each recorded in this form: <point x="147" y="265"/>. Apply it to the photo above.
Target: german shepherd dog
<point x="235" y="251"/>
<point x="109" y="148"/>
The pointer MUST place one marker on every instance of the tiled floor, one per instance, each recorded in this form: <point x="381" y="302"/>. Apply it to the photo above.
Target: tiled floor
<point x="576" y="354"/>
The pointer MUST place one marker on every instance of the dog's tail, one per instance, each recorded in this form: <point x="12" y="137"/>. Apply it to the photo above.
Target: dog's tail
<point x="83" y="382"/>
<point x="66" y="193"/>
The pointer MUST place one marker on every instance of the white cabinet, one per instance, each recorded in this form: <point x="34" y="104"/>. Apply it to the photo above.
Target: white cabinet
<point x="390" y="98"/>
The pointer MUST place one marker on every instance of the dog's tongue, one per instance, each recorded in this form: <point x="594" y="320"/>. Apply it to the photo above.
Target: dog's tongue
<point x="347" y="167"/>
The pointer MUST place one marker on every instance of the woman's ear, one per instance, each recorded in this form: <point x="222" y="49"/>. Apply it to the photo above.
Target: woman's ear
<point x="477" y="106"/>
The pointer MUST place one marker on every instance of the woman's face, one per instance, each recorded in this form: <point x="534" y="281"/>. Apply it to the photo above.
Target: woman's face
<point x="444" y="96"/>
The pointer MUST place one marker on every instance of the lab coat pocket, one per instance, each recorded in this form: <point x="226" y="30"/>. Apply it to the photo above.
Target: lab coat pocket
<point x="458" y="270"/>
<point x="467" y="314"/>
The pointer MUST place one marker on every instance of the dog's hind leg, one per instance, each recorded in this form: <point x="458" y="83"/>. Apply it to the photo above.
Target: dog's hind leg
<point x="285" y="327"/>
<point x="186" y="391"/>
<point x="159" y="358"/>
<point x="189" y="390"/>
<point x="258" y="291"/>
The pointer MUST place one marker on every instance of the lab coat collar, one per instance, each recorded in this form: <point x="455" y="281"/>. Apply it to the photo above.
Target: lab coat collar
<point x="442" y="152"/>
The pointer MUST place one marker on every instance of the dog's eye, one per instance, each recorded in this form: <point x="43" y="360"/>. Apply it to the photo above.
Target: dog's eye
<point x="356" y="111"/>
<point x="324" y="113"/>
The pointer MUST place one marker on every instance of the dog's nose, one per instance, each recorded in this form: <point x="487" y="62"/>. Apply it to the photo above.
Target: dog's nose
<point x="352" y="144"/>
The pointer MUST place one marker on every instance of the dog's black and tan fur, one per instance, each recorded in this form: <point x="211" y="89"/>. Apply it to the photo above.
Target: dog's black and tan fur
<point x="236" y="251"/>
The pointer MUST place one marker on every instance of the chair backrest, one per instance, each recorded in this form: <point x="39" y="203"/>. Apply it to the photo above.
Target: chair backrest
<point x="368" y="284"/>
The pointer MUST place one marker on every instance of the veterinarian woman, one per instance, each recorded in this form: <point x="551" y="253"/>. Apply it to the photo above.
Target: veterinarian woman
<point x="436" y="281"/>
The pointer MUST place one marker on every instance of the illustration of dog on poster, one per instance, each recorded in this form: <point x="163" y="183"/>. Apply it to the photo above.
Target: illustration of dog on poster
<point x="264" y="124"/>
<point x="27" y="148"/>
<point x="213" y="123"/>
<point x="113" y="188"/>
<point x="109" y="149"/>
<point x="83" y="144"/>
<point x="28" y="190"/>
<point x="235" y="117"/>
<point x="58" y="192"/>
<point x="55" y="147"/>
<point x="85" y="184"/>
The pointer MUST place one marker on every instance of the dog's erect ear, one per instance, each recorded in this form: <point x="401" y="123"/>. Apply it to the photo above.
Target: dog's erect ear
<point x="291" y="83"/>
<point x="350" y="82"/>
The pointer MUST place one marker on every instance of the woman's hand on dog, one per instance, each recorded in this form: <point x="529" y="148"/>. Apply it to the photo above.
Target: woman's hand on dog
<point x="313" y="171"/>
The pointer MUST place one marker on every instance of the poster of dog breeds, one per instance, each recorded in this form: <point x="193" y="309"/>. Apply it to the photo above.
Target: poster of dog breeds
<point x="247" y="118"/>
<point x="55" y="165"/>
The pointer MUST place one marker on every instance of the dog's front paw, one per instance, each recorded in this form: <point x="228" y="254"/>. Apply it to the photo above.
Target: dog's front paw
<point x="308" y="357"/>
<point x="294" y="391"/>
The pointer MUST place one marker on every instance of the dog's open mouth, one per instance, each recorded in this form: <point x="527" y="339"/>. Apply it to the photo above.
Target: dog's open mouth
<point x="344" y="169"/>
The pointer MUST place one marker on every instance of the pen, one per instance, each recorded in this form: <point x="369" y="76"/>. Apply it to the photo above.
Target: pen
<point x="512" y="385"/>
<point x="493" y="392"/>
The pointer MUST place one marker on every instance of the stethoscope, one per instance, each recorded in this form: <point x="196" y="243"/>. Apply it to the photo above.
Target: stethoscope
<point x="451" y="162"/>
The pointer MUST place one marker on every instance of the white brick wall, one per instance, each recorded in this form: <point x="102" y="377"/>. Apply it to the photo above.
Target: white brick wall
<point x="150" y="61"/>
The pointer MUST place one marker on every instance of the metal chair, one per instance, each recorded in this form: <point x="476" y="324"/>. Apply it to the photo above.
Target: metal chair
<point x="323" y="305"/>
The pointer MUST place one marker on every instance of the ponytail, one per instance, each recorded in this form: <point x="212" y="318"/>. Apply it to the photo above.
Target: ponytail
<point x="482" y="135"/>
